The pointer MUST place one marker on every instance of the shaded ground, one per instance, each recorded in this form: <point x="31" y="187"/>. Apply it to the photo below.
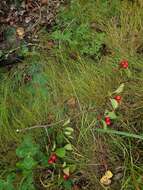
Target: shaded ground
<point x="19" y="23"/>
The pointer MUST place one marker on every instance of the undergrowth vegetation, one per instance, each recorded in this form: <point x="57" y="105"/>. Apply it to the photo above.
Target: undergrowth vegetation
<point x="77" y="101"/>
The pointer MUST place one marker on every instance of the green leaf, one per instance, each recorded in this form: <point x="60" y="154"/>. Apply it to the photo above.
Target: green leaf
<point x="68" y="147"/>
<point x="54" y="146"/>
<point x="120" y="133"/>
<point x="68" y="133"/>
<point x="112" y="115"/>
<point x="114" y="103"/>
<point x="68" y="184"/>
<point x="28" y="183"/>
<point x="104" y="124"/>
<point x="29" y="163"/>
<point x="42" y="158"/>
<point x="70" y="137"/>
<point x="11" y="177"/>
<point x="60" y="138"/>
<point x="120" y="89"/>
<point x="27" y="148"/>
<point x="67" y="122"/>
<point x="64" y="164"/>
<point x="66" y="170"/>
<point x="9" y="186"/>
<point x="128" y="72"/>
<point x="72" y="168"/>
<point x="69" y="129"/>
<point x="61" y="152"/>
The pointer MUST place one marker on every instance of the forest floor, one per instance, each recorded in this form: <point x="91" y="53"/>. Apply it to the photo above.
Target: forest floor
<point x="71" y="96"/>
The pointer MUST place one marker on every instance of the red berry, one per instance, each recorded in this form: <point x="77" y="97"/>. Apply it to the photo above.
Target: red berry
<point x="66" y="177"/>
<point x="107" y="120"/>
<point x="124" y="64"/>
<point x="50" y="161"/>
<point x="54" y="157"/>
<point x="118" y="98"/>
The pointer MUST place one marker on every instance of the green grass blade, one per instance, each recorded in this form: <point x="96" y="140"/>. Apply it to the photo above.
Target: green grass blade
<point x="120" y="133"/>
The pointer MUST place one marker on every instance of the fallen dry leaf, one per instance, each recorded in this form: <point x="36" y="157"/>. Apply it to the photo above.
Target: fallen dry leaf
<point x="20" y="32"/>
<point x="109" y="174"/>
<point x="105" y="180"/>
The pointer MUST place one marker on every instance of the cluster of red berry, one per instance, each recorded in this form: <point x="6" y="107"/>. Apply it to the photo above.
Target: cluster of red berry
<point x="66" y="177"/>
<point x="124" y="64"/>
<point x="107" y="119"/>
<point x="53" y="159"/>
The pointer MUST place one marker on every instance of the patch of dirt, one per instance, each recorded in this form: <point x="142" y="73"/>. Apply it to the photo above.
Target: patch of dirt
<point x="29" y="13"/>
<point x="21" y="21"/>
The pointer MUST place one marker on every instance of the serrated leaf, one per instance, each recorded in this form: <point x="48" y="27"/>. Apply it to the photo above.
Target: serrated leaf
<point x="66" y="170"/>
<point x="61" y="152"/>
<point x="120" y="89"/>
<point x="114" y="103"/>
<point x="28" y="163"/>
<point x="27" y="148"/>
<point x="68" y="147"/>
<point x="11" y="177"/>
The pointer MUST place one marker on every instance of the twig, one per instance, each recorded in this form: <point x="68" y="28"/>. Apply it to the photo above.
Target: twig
<point x="40" y="126"/>
<point x="54" y="124"/>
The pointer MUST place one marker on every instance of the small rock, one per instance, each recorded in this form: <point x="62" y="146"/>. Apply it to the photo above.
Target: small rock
<point x="27" y="20"/>
<point x="21" y="13"/>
